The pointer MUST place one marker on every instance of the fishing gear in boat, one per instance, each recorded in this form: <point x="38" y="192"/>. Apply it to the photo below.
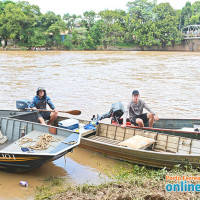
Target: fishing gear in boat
<point x="43" y="142"/>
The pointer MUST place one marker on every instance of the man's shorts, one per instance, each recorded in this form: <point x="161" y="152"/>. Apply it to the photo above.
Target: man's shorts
<point x="142" y="116"/>
<point x="44" y="115"/>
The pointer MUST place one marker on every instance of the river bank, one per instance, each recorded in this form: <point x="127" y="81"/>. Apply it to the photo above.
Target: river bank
<point x="186" y="45"/>
<point x="137" y="182"/>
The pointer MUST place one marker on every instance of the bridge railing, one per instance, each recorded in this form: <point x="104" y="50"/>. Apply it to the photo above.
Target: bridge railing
<point x="191" y="31"/>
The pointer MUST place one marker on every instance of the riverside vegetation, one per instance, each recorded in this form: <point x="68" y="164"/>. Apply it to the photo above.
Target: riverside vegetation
<point x="145" y="23"/>
<point x="126" y="183"/>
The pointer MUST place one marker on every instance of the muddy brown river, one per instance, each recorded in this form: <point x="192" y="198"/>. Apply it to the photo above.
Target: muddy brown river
<point x="169" y="82"/>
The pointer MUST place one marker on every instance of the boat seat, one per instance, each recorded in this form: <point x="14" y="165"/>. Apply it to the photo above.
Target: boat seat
<point x="137" y="142"/>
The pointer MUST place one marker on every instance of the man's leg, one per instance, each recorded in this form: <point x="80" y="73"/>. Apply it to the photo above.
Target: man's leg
<point x="151" y="119"/>
<point x="53" y="117"/>
<point x="139" y="122"/>
<point x="41" y="120"/>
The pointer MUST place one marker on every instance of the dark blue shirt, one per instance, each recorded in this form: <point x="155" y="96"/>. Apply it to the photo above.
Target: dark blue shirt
<point x="41" y="103"/>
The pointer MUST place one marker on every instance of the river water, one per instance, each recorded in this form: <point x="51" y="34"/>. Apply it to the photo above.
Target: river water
<point x="91" y="82"/>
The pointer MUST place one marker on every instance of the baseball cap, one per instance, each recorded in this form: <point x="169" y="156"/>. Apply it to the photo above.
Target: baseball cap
<point x="135" y="92"/>
<point x="40" y="88"/>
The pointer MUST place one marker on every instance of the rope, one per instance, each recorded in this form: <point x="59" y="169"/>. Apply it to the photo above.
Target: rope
<point x="71" y="142"/>
<point x="43" y="142"/>
<point x="24" y="140"/>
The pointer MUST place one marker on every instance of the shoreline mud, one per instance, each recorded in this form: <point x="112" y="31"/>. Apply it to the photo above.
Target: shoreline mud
<point x="137" y="182"/>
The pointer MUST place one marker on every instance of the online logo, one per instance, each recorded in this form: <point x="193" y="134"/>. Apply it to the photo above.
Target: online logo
<point x="182" y="184"/>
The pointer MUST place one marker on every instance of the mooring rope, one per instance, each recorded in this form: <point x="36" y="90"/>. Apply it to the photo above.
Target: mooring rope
<point x="24" y="140"/>
<point x="43" y="142"/>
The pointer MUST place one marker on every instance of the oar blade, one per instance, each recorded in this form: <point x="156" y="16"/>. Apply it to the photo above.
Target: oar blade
<point x="74" y="112"/>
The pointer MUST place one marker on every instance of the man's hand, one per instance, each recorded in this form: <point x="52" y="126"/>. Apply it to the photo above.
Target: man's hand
<point x="123" y="125"/>
<point x="156" y="118"/>
<point x="56" y="111"/>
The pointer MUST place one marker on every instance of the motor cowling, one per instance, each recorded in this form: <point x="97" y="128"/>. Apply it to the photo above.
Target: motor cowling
<point x="22" y="104"/>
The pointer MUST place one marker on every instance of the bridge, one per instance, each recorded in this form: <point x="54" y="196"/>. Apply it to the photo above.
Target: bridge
<point x="191" y="32"/>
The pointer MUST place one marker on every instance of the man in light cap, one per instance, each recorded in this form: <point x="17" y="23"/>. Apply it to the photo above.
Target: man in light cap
<point x="39" y="102"/>
<point x="135" y="110"/>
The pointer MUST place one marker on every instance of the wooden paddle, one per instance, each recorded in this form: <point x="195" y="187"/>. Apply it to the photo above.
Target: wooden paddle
<point x="71" y="112"/>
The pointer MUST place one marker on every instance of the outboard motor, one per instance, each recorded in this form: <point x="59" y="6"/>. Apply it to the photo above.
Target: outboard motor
<point x="115" y="113"/>
<point x="22" y="104"/>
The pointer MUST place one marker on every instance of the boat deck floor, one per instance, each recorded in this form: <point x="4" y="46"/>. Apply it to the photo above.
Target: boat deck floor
<point x="11" y="146"/>
<point x="116" y="142"/>
<point x="8" y="142"/>
<point x="104" y="139"/>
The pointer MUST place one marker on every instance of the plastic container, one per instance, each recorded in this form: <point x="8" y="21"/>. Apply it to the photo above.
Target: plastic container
<point x="23" y="183"/>
<point x="70" y="124"/>
<point x="94" y="123"/>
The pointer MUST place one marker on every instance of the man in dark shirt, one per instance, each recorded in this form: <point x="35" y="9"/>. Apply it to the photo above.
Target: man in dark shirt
<point x="39" y="102"/>
<point x="135" y="110"/>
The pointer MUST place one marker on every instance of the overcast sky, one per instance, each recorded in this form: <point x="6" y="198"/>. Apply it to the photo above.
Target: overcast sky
<point x="80" y="6"/>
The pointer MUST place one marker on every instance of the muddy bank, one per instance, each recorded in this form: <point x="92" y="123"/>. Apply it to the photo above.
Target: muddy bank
<point x="136" y="183"/>
<point x="186" y="45"/>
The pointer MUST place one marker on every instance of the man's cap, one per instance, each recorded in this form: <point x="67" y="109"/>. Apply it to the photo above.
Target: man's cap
<point x="40" y="88"/>
<point x="135" y="92"/>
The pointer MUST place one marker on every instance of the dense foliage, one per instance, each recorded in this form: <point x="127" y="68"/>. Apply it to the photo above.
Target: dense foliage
<point x="145" y="23"/>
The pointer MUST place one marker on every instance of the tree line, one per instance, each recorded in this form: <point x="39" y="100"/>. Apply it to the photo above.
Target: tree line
<point x="144" y="23"/>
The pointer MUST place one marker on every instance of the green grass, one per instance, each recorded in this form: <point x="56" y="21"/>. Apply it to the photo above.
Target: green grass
<point x="126" y="181"/>
<point x="50" y="187"/>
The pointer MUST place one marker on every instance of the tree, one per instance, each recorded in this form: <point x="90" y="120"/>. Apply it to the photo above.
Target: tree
<point x="166" y="23"/>
<point x="3" y="5"/>
<point x="33" y="14"/>
<point x="160" y="30"/>
<point x="113" y="27"/>
<point x="39" y="39"/>
<point x="48" y="19"/>
<point x="55" y="29"/>
<point x="71" y="20"/>
<point x="81" y="39"/>
<point x="145" y="34"/>
<point x="186" y="14"/>
<point x="97" y="32"/>
<point x="67" y="42"/>
<point x="31" y="11"/>
<point x="141" y="9"/>
<point x="195" y="18"/>
<point x="89" y="19"/>
<point x="12" y="21"/>
<point x="195" y="8"/>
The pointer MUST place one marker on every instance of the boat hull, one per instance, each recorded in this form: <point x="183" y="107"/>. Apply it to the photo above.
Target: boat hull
<point x="143" y="157"/>
<point x="21" y="162"/>
<point x="12" y="155"/>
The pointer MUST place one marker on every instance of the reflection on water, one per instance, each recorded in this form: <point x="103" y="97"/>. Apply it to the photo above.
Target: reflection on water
<point x="91" y="82"/>
<point x="84" y="166"/>
<point x="9" y="182"/>
<point x="81" y="166"/>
